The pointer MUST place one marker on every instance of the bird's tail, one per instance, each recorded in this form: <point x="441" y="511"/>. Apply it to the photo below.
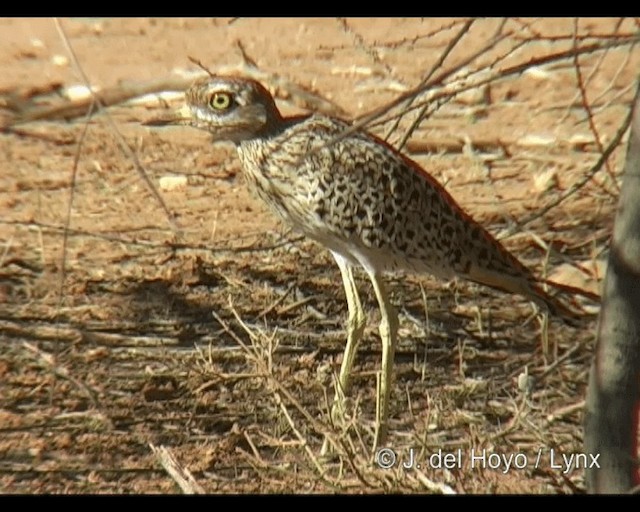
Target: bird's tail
<point x="560" y="299"/>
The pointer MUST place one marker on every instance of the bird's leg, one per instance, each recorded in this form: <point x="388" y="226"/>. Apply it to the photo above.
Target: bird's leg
<point x="388" y="335"/>
<point x="355" y="329"/>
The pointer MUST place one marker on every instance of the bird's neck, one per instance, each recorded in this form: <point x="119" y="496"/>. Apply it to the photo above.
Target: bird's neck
<point x="277" y="125"/>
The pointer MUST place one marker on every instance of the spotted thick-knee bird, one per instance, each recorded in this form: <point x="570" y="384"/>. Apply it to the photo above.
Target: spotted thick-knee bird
<point x="353" y="193"/>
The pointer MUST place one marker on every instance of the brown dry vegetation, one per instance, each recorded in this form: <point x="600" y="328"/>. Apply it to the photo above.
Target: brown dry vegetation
<point x="220" y="342"/>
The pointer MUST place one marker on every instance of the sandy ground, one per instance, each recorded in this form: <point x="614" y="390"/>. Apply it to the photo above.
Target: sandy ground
<point x="220" y="344"/>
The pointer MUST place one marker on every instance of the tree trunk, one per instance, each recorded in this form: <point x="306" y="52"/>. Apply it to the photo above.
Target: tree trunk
<point x="613" y="394"/>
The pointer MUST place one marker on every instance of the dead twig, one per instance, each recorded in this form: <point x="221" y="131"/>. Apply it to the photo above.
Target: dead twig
<point x="180" y="474"/>
<point x="124" y="146"/>
<point x="48" y="361"/>
<point x="604" y="156"/>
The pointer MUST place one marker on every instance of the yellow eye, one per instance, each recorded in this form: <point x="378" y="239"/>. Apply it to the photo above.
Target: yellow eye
<point x="220" y="101"/>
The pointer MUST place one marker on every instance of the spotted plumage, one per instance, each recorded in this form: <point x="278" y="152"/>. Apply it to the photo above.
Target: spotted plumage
<point x="367" y="203"/>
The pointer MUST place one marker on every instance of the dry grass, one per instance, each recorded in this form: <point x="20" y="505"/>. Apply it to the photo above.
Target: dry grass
<point x="219" y="344"/>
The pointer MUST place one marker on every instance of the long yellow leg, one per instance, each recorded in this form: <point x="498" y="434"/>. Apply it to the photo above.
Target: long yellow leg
<point x="355" y="329"/>
<point x="388" y="335"/>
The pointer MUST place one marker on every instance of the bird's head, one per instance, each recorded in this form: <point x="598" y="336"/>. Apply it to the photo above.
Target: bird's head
<point x="232" y="109"/>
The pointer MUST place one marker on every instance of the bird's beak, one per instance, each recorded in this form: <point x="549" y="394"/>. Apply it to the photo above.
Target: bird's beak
<point x="181" y="116"/>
